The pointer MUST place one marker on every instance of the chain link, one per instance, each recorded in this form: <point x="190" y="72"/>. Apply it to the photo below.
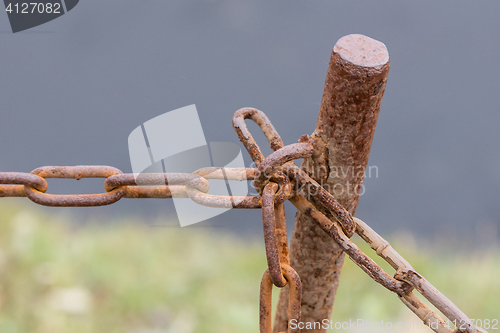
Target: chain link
<point x="276" y="253"/>
<point x="276" y="179"/>
<point x="119" y="185"/>
<point x="340" y="225"/>
<point x="294" y="301"/>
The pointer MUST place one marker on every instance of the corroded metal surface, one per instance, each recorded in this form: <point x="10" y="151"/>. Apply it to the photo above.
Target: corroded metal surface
<point x="238" y="174"/>
<point x="12" y="191"/>
<point x="247" y="139"/>
<point x="277" y="159"/>
<point x="281" y="233"/>
<point x="312" y="189"/>
<point x="293" y="304"/>
<point x="406" y="273"/>
<point x="223" y="201"/>
<point x="119" y="185"/>
<point x="270" y="235"/>
<point x="155" y="192"/>
<point x="354" y="253"/>
<point x="74" y="200"/>
<point x="148" y="179"/>
<point x="286" y="186"/>
<point x="21" y="178"/>
<point x="342" y="140"/>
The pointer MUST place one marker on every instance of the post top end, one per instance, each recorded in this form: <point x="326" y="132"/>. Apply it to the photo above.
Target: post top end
<point x="362" y="50"/>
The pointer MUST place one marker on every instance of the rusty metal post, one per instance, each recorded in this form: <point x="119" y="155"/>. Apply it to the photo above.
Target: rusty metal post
<point x="354" y="86"/>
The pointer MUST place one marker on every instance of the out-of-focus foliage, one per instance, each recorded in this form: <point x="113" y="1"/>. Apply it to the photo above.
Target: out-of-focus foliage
<point x="58" y="276"/>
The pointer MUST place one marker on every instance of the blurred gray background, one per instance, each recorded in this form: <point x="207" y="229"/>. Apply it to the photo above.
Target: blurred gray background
<point x="73" y="89"/>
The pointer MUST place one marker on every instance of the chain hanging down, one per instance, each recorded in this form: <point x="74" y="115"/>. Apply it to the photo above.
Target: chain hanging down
<point x="340" y="225"/>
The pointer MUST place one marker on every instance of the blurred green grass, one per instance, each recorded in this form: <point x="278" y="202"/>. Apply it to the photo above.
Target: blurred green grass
<point x="125" y="276"/>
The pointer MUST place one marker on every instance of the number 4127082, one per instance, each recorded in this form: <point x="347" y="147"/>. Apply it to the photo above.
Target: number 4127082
<point x="34" y="7"/>
<point x="485" y="323"/>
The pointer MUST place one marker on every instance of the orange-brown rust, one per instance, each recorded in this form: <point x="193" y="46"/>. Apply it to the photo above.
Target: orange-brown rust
<point x="118" y="185"/>
<point x="314" y="190"/>
<point x="155" y="192"/>
<point x="75" y="200"/>
<point x="293" y="303"/>
<point x="281" y="156"/>
<point x="148" y="179"/>
<point x="270" y="235"/>
<point x="285" y="187"/>
<point x="76" y="172"/>
<point x="14" y="183"/>
<point x="247" y="139"/>
<point x="354" y="86"/>
<point x="354" y="253"/>
<point x="12" y="191"/>
<point x="281" y="233"/>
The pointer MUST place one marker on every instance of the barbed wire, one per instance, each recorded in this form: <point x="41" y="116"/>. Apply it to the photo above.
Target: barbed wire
<point x="276" y="179"/>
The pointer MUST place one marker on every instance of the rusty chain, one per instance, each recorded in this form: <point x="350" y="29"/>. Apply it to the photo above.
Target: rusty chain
<point x="340" y="225"/>
<point x="276" y="179"/>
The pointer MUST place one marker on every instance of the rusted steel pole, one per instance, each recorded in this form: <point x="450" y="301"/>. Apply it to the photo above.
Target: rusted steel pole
<point x="354" y="86"/>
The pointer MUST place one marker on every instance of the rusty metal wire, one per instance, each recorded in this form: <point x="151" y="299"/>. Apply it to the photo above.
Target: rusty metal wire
<point x="273" y="249"/>
<point x="80" y="200"/>
<point x="247" y="139"/>
<point x="313" y="189"/>
<point x="406" y="278"/>
<point x="119" y="185"/>
<point x="406" y="273"/>
<point x="280" y="157"/>
<point x="340" y="225"/>
<point x="294" y="302"/>
<point x="276" y="179"/>
<point x="193" y="180"/>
